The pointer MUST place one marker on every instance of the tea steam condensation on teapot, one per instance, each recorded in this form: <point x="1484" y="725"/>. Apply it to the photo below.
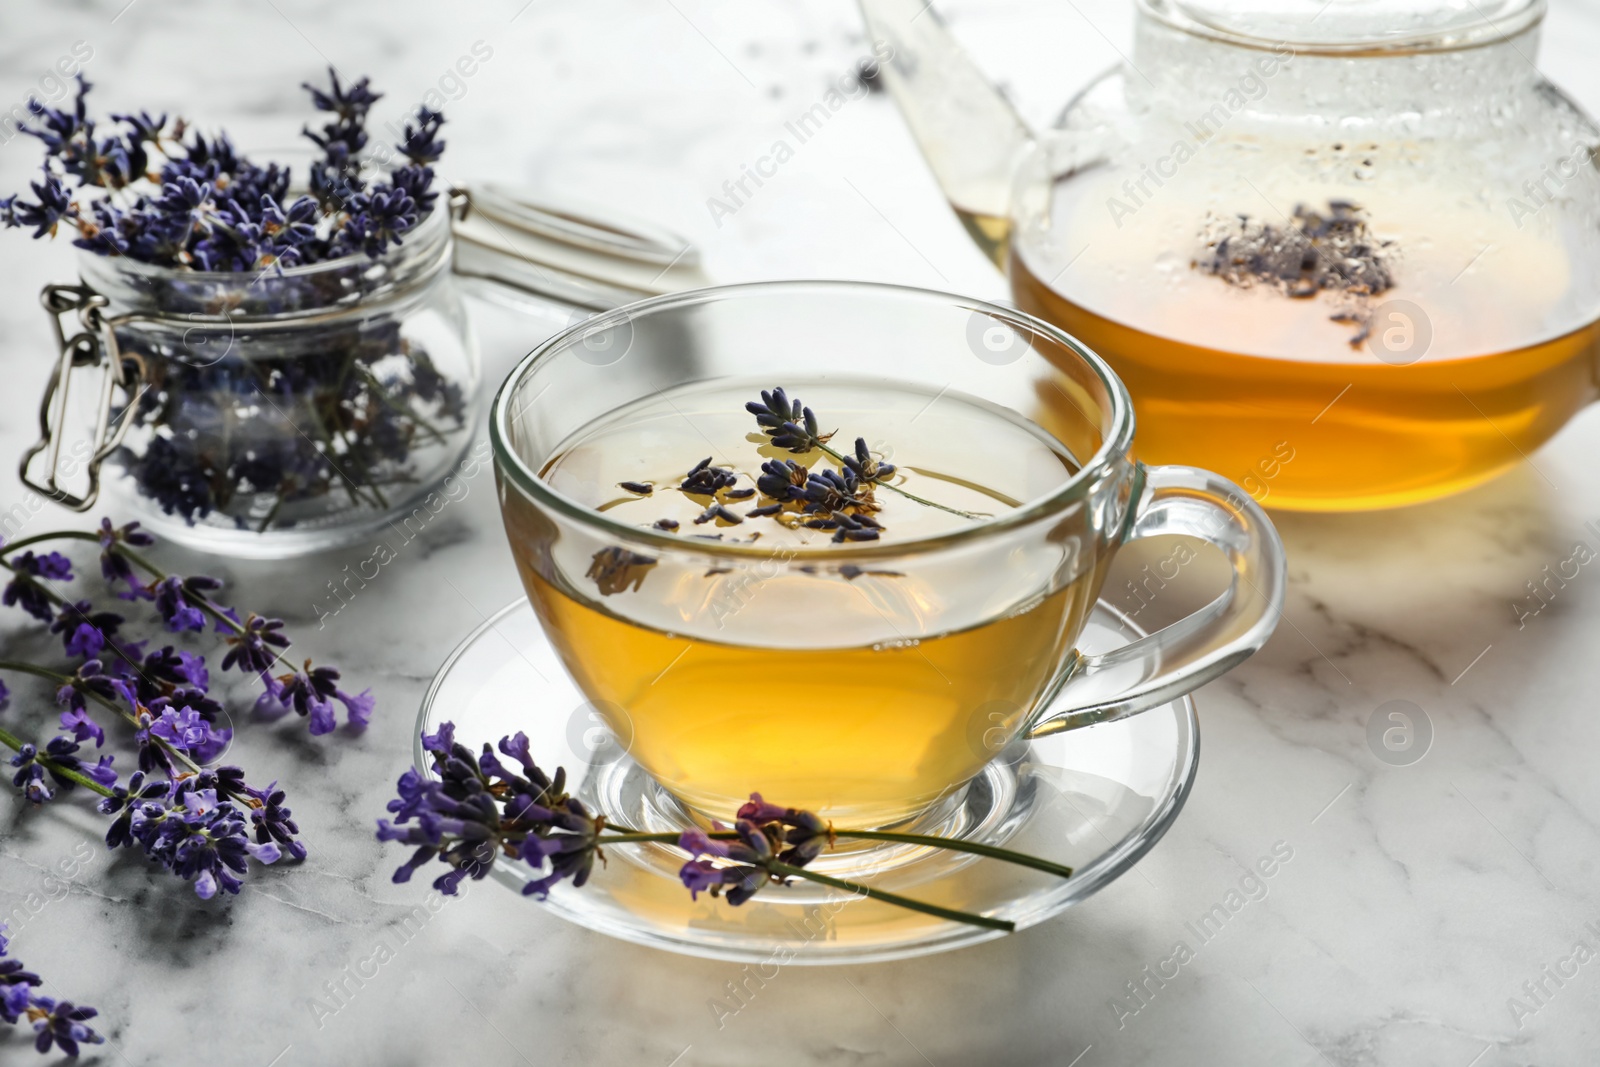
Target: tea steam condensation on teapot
<point x="1359" y="235"/>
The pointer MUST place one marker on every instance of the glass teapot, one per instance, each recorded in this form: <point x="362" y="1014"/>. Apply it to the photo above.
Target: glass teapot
<point x="1344" y="252"/>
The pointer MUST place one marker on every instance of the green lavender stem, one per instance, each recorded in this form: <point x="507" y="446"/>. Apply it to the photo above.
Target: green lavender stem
<point x="905" y="493"/>
<point x="787" y="871"/>
<point x="1021" y="859"/>
<point x="11" y="741"/>
<point x="626" y="836"/>
<point x="137" y="560"/>
<point x="149" y="568"/>
<point x="62" y="679"/>
<point x="198" y="601"/>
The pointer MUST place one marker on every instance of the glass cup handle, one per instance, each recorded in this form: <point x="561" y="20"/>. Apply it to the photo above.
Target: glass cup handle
<point x="1180" y="658"/>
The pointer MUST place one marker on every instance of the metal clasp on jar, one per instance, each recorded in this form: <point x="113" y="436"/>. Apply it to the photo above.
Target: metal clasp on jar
<point x="93" y="345"/>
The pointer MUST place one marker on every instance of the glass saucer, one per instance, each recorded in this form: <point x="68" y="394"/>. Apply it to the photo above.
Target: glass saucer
<point x="1096" y="799"/>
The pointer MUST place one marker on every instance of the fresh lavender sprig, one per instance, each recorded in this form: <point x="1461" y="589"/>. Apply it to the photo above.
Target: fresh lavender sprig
<point x="479" y="810"/>
<point x="256" y="643"/>
<point x="56" y="1023"/>
<point x="188" y="826"/>
<point x="203" y="824"/>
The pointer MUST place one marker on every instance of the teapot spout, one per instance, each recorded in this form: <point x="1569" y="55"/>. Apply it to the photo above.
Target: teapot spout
<point x="968" y="131"/>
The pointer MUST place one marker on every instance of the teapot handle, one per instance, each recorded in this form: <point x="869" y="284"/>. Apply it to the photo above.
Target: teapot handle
<point x="968" y="131"/>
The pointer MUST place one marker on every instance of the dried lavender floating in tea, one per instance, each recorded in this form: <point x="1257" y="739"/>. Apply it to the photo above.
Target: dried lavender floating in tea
<point x="1332" y="251"/>
<point x="661" y="630"/>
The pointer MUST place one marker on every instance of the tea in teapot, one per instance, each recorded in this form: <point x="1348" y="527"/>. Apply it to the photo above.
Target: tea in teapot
<point x="1341" y="252"/>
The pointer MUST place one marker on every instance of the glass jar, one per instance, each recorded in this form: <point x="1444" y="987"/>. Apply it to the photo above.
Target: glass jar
<point x="311" y="404"/>
<point x="270" y="414"/>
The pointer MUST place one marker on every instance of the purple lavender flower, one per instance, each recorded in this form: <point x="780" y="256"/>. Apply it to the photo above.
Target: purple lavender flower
<point x="358" y="708"/>
<point x="15" y="983"/>
<point x="114" y="566"/>
<point x="761" y="827"/>
<point x="205" y="826"/>
<point x="185" y="728"/>
<point x="174" y="478"/>
<point x="125" y="801"/>
<point x="26" y="591"/>
<point x="85" y="631"/>
<point x="421" y="142"/>
<point x="706" y="479"/>
<point x="568" y="855"/>
<point x="45" y="214"/>
<point x="52" y="565"/>
<point x="189" y="202"/>
<point x="747" y="872"/>
<point x="417" y="183"/>
<point x="865" y="467"/>
<point x="14" y="999"/>
<point x="61" y="1023"/>
<point x="256" y="649"/>
<point x="783" y="480"/>
<point x="152" y="756"/>
<point x="176" y="598"/>
<point x="30" y="776"/>
<point x="702" y="876"/>
<point x="790" y="424"/>
<point x="274" y="822"/>
<point x="478" y="808"/>
<point x="187" y="827"/>
<point x="351" y="104"/>
<point x="60" y="129"/>
<point x="443" y="740"/>
<point x="312" y="691"/>
<point x="55" y="1023"/>
<point x="382" y="219"/>
<point x="806" y="833"/>
<point x="83" y="726"/>
<point x="59" y="756"/>
<point x="90" y="678"/>
<point x="830" y="491"/>
<point x="286" y="234"/>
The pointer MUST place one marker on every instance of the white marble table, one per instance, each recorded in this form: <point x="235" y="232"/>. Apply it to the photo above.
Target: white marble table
<point x="1418" y="899"/>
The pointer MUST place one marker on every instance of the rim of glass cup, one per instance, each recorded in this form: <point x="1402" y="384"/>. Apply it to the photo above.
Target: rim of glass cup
<point x="1475" y="30"/>
<point x="1114" y="445"/>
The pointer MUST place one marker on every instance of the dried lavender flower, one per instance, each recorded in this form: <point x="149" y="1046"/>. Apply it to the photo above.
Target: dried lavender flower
<point x="789" y="423"/>
<point x="717" y="511"/>
<point x="616" y="569"/>
<point x="704" y="479"/>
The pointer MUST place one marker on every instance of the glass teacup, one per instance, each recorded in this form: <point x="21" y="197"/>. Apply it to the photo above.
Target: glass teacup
<point x="858" y="673"/>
